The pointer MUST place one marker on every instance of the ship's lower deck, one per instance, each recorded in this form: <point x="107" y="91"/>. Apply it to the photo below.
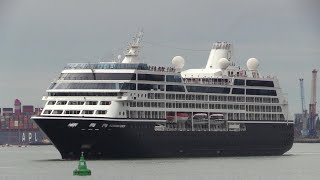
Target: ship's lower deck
<point x="101" y="139"/>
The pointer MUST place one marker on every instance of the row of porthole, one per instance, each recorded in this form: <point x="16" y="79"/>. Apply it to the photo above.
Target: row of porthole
<point x="78" y="103"/>
<point x="74" y="112"/>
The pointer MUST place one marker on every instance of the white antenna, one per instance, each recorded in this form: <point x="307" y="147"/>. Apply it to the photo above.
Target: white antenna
<point x="119" y="57"/>
<point x="132" y="55"/>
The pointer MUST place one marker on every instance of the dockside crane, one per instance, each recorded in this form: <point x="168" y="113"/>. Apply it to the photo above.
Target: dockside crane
<point x="313" y="105"/>
<point x="304" y="111"/>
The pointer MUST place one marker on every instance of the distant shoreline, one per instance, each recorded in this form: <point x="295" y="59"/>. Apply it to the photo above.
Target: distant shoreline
<point x="306" y="140"/>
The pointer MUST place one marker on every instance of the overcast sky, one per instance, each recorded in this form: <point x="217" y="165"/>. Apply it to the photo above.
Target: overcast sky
<point x="38" y="37"/>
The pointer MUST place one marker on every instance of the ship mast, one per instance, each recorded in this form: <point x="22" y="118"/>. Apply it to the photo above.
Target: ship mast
<point x="132" y="55"/>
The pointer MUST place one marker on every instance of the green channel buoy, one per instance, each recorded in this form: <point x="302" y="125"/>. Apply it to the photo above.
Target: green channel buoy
<point x="82" y="169"/>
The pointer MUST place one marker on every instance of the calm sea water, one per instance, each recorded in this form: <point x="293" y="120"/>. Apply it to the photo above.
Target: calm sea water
<point x="43" y="162"/>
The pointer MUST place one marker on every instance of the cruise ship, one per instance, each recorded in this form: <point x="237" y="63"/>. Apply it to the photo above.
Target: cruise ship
<point x="130" y="109"/>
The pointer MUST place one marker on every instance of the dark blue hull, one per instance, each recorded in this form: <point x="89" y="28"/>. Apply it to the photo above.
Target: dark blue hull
<point x="100" y="139"/>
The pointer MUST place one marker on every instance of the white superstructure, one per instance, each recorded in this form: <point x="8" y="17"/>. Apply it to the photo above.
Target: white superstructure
<point x="219" y="97"/>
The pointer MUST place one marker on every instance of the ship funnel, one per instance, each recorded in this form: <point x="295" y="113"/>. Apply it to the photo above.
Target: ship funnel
<point x="219" y="50"/>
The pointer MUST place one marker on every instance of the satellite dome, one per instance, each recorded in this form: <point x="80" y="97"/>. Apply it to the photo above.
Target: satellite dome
<point x="252" y="64"/>
<point x="178" y="62"/>
<point x="223" y="63"/>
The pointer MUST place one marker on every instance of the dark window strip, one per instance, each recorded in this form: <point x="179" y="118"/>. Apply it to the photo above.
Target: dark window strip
<point x="83" y="94"/>
<point x="173" y="78"/>
<point x="239" y="82"/>
<point x="260" y="83"/>
<point x="128" y="86"/>
<point x="151" y="77"/>
<point x="98" y="76"/>
<point x="175" y="88"/>
<point x="237" y="91"/>
<point x="204" y="89"/>
<point x="262" y="92"/>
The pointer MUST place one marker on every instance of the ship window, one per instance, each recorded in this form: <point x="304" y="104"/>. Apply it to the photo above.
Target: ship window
<point x="260" y="83"/>
<point x="263" y="92"/>
<point x="76" y="103"/>
<point x="159" y="96"/>
<point x="133" y="104"/>
<point x="101" y="112"/>
<point x="161" y="104"/>
<point x="239" y="82"/>
<point x="232" y="98"/>
<point x="205" y="89"/>
<point x="147" y="87"/>
<point x="140" y="66"/>
<point x="105" y="103"/>
<point x="91" y="102"/>
<point x="190" y="97"/>
<point x="72" y="112"/>
<point x="151" y="96"/>
<point x="98" y="76"/>
<point x="51" y="102"/>
<point x="47" y="111"/>
<point x="115" y="76"/>
<point x="175" y="88"/>
<point x="224" y="106"/>
<point x="275" y="100"/>
<point x="57" y="112"/>
<point x="86" y="86"/>
<point x="223" y="98"/>
<point x="258" y="99"/>
<point x="249" y="99"/>
<point x="237" y="91"/>
<point x="154" y="104"/>
<point x="151" y="77"/>
<point x="204" y="106"/>
<point x="127" y="86"/>
<point x="198" y="106"/>
<point x="61" y="102"/>
<point x="266" y="100"/>
<point x="173" y="78"/>
<point x="83" y="94"/>
<point x="87" y="112"/>
<point x="180" y="96"/>
<point x="170" y="96"/>
<point x="240" y="99"/>
<point x="191" y="105"/>
<point x="139" y="104"/>
<point x="77" y="76"/>
<point x="146" y="104"/>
